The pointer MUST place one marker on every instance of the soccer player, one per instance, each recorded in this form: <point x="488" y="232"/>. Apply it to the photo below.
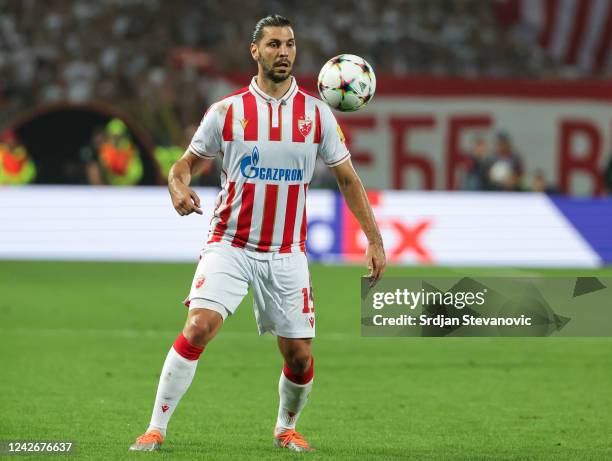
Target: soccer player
<point x="269" y="135"/>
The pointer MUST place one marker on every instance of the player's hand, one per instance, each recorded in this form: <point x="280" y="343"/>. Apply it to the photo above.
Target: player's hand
<point x="375" y="254"/>
<point x="185" y="200"/>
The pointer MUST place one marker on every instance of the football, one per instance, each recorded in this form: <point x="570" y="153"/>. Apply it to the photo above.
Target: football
<point x="346" y="82"/>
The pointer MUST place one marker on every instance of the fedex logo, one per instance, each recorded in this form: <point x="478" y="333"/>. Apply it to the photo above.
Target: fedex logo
<point x="338" y="235"/>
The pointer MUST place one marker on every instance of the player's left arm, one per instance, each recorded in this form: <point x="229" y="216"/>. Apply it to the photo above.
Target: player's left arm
<point x="357" y="200"/>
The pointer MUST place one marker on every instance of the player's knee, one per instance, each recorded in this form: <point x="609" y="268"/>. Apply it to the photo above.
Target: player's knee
<point x="299" y="361"/>
<point x="200" y="329"/>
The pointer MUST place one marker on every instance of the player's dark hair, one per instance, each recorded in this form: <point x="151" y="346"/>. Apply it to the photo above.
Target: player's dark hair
<point x="274" y="20"/>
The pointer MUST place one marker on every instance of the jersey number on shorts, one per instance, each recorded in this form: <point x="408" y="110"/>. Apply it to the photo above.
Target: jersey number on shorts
<point x="308" y="300"/>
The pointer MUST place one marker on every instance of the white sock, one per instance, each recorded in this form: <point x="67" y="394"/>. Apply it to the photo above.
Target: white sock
<point x="176" y="376"/>
<point x="293" y="398"/>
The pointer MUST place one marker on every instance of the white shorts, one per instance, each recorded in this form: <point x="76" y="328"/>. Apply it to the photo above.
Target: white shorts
<point x="282" y="292"/>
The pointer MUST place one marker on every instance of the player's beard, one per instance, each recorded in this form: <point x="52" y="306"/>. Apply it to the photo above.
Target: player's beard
<point x="271" y="73"/>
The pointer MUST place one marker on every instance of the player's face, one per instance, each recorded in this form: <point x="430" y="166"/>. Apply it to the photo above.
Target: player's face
<point x="275" y="52"/>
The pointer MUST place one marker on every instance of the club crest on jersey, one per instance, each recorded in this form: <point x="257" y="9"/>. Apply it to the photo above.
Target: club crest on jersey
<point x="304" y="125"/>
<point x="250" y="169"/>
<point x="200" y="281"/>
<point x="244" y="122"/>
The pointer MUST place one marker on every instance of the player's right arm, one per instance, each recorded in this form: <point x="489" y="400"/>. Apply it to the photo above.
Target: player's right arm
<point x="184" y="198"/>
<point x="205" y="145"/>
<point x="332" y="149"/>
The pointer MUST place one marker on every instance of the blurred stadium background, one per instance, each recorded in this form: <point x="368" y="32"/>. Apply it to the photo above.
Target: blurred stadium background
<point x="500" y="96"/>
<point x="487" y="144"/>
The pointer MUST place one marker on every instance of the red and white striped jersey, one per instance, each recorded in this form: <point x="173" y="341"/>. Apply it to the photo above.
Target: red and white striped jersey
<point x="269" y="147"/>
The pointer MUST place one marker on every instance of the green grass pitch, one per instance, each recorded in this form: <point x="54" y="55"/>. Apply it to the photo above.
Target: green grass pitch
<point x="82" y="345"/>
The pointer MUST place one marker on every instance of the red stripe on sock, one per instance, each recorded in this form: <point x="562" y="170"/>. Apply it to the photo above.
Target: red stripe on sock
<point x="185" y="349"/>
<point x="297" y="379"/>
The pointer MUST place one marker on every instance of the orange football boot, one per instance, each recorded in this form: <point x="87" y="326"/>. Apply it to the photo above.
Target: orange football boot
<point x="291" y="440"/>
<point x="149" y="441"/>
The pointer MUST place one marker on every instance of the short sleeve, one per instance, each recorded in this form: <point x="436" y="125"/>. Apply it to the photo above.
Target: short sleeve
<point x="206" y="141"/>
<point x="332" y="147"/>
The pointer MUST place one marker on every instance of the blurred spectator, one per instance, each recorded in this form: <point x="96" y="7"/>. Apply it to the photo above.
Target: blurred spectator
<point x="477" y="170"/>
<point x="123" y="50"/>
<point x="119" y="157"/>
<point x="16" y="167"/>
<point x="506" y="167"/>
<point x="539" y="183"/>
<point x="111" y="157"/>
<point x="166" y="156"/>
<point x="92" y="171"/>
<point x="159" y="61"/>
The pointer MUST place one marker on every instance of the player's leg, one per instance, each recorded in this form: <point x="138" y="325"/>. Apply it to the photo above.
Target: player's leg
<point x="177" y="373"/>
<point x="181" y="362"/>
<point x="284" y="306"/>
<point x="294" y="386"/>
<point x="218" y="286"/>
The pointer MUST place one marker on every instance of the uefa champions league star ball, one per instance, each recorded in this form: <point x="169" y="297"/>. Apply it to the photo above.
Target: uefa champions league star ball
<point x="346" y="82"/>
